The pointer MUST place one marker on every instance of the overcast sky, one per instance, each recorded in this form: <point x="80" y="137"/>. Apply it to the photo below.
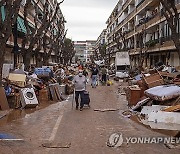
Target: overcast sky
<point x="86" y="18"/>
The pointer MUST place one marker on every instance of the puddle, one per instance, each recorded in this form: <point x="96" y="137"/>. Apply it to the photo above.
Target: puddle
<point x="157" y="127"/>
<point x="18" y="113"/>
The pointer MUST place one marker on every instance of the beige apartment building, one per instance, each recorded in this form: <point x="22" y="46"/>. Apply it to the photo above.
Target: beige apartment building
<point x="132" y="17"/>
<point x="22" y="31"/>
<point x="101" y="40"/>
<point x="84" y="50"/>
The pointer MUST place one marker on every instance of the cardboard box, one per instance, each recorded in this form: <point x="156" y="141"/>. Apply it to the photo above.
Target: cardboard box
<point x="17" y="79"/>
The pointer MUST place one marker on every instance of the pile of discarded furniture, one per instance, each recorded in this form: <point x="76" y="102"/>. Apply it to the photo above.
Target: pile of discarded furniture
<point x="29" y="89"/>
<point x="155" y="96"/>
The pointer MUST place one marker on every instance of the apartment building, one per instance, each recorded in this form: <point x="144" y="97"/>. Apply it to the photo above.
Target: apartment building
<point x="84" y="50"/>
<point x="90" y="45"/>
<point x="101" y="41"/>
<point x="22" y="31"/>
<point x="131" y="19"/>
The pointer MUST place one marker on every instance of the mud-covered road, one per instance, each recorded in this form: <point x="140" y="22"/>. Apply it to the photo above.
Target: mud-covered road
<point x="57" y="129"/>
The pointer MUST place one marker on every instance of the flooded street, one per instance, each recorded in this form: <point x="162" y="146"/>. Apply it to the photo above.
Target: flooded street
<point x="16" y="114"/>
<point x="59" y="129"/>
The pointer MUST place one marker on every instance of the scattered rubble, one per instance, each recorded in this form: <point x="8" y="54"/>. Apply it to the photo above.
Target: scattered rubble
<point x="105" y="110"/>
<point x="155" y="96"/>
<point x="56" y="145"/>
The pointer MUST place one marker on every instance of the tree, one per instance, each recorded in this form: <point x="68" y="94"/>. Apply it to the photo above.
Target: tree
<point x="32" y="41"/>
<point x="9" y="10"/>
<point x="121" y="46"/>
<point x="102" y="51"/>
<point x="170" y="12"/>
<point x="53" y="43"/>
<point x="68" y="51"/>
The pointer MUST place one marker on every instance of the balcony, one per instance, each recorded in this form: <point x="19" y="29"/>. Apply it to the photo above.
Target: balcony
<point x="143" y="4"/>
<point x="129" y="16"/>
<point x="148" y="22"/>
<point x="140" y="3"/>
<point x="130" y="33"/>
<point x="152" y="43"/>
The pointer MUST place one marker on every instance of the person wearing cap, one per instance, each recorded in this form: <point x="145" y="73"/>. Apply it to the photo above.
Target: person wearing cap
<point x="80" y="86"/>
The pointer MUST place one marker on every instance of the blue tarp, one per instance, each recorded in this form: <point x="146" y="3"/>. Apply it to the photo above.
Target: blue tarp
<point x="43" y="71"/>
<point x="6" y="136"/>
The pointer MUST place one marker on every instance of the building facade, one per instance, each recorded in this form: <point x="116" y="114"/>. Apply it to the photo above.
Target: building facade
<point x="136" y="21"/>
<point x="22" y="30"/>
<point x="84" y="50"/>
<point x="100" y="42"/>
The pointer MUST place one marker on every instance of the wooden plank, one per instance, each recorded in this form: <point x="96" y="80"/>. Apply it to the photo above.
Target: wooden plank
<point x="57" y="92"/>
<point x="52" y="92"/>
<point x="3" y="100"/>
<point x="172" y="108"/>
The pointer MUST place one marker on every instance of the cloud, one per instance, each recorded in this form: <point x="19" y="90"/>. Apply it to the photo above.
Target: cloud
<point x="86" y="18"/>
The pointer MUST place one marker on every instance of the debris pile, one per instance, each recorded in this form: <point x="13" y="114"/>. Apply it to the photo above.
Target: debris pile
<point x="30" y="89"/>
<point x="155" y="95"/>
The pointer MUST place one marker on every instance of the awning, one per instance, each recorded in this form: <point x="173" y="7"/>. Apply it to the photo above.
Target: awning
<point x="3" y="12"/>
<point x="20" y="25"/>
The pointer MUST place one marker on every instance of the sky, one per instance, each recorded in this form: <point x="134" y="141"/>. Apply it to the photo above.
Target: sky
<point x="86" y="19"/>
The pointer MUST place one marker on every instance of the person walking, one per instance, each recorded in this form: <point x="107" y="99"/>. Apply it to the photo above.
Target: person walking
<point x="80" y="86"/>
<point x="104" y="75"/>
<point x="94" y="76"/>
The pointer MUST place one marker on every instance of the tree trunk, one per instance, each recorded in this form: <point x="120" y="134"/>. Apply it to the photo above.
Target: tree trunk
<point x="2" y="53"/>
<point x="38" y="60"/>
<point x="175" y="38"/>
<point x="45" y="59"/>
<point x="27" y="60"/>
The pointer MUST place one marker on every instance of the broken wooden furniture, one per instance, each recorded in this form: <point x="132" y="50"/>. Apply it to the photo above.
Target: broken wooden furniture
<point x="153" y="80"/>
<point x="133" y="94"/>
<point x="56" y="91"/>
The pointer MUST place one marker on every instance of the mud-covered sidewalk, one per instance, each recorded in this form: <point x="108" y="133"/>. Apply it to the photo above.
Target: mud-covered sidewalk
<point x="60" y="130"/>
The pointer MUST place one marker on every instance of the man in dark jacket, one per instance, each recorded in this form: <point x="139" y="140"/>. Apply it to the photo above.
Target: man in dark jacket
<point x="94" y="76"/>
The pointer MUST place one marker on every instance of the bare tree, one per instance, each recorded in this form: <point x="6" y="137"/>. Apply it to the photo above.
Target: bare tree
<point x="171" y="14"/>
<point x="120" y="45"/>
<point x="34" y="35"/>
<point x="102" y="51"/>
<point x="7" y="20"/>
<point x="53" y="43"/>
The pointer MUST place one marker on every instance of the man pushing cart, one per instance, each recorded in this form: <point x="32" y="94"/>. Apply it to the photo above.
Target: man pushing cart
<point x="80" y="90"/>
